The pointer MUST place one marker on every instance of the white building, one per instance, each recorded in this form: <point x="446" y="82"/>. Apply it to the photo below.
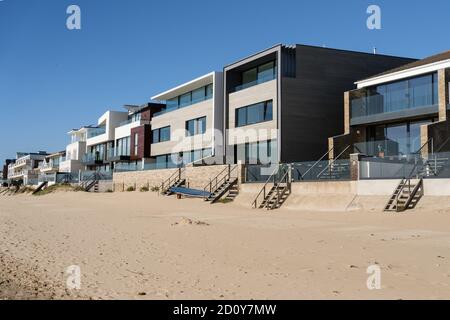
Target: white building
<point x="26" y="168"/>
<point x="100" y="141"/>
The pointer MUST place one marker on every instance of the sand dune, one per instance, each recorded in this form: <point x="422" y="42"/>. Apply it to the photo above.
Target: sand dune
<point x="144" y="246"/>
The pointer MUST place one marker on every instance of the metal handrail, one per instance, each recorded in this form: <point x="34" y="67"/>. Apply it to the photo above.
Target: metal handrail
<point x="418" y="153"/>
<point x="317" y="162"/>
<point x="218" y="182"/>
<point x="168" y="182"/>
<point x="263" y="190"/>
<point x="286" y="180"/>
<point x="333" y="161"/>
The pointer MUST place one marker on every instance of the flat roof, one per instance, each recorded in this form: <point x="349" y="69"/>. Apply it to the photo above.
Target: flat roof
<point x="186" y="87"/>
<point x="443" y="56"/>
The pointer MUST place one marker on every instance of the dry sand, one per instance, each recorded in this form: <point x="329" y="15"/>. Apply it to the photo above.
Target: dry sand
<point x="144" y="246"/>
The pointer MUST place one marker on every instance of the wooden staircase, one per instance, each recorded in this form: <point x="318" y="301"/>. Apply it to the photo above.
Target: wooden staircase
<point x="225" y="183"/>
<point x="40" y="187"/>
<point x="279" y="191"/>
<point x="174" y="181"/>
<point x="406" y="196"/>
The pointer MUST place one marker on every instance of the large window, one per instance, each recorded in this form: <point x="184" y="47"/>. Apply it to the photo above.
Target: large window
<point x="189" y="98"/>
<point x="257" y="75"/>
<point x="123" y="147"/>
<point x="136" y="144"/>
<point x="262" y="152"/>
<point x="253" y="114"/>
<point x="196" y="126"/>
<point x="161" y="135"/>
<point x="397" y="96"/>
<point x="399" y="139"/>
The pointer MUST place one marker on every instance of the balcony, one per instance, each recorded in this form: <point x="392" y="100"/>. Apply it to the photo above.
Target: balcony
<point x="255" y="83"/>
<point x="93" y="159"/>
<point x="394" y="101"/>
<point x="21" y="163"/>
<point x="96" y="132"/>
<point x="52" y="165"/>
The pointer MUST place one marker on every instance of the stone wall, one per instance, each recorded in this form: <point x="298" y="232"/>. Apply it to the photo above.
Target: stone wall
<point x="199" y="177"/>
<point x="196" y="177"/>
<point x="138" y="179"/>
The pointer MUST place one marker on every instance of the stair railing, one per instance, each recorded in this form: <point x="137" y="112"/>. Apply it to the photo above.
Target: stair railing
<point x="331" y="163"/>
<point x="263" y="191"/>
<point x="219" y="180"/>
<point x="419" y="154"/>
<point x="176" y="176"/>
<point x="286" y="179"/>
<point x="316" y="163"/>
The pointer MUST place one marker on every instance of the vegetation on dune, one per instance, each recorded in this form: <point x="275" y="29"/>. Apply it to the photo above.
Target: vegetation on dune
<point x="59" y="187"/>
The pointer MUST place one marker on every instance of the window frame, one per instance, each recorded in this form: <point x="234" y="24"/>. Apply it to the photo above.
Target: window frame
<point x="158" y="132"/>
<point x="264" y="105"/>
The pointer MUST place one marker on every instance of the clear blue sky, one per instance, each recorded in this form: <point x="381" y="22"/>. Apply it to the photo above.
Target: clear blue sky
<point x="53" y="79"/>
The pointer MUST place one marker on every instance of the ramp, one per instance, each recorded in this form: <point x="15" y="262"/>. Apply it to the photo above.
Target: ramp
<point x="193" y="193"/>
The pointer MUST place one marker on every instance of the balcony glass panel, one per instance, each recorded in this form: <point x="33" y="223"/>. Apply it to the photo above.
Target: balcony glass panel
<point x="260" y="74"/>
<point x="398" y="96"/>
<point x="96" y="132"/>
<point x="187" y="99"/>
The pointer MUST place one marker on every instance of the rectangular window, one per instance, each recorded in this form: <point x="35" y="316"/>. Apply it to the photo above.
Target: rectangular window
<point x="198" y="95"/>
<point x="209" y="91"/>
<point x="257" y="153"/>
<point x="249" y="76"/>
<point x="196" y="126"/>
<point x="257" y="113"/>
<point x="136" y="143"/>
<point x="161" y="135"/>
<point x="266" y="71"/>
<point x="185" y="100"/>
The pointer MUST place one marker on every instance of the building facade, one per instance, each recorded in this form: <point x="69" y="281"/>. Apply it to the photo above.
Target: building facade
<point x="190" y="127"/>
<point x="133" y="138"/>
<point x="400" y="112"/>
<point x="100" y="142"/>
<point x="25" y="169"/>
<point x="282" y="104"/>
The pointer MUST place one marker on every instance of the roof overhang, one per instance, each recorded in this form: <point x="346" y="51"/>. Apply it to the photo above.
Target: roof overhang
<point x="186" y="87"/>
<point x="412" y="72"/>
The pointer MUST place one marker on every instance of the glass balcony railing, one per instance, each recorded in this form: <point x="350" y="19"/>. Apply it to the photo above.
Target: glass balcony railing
<point x="394" y="101"/>
<point x="170" y="108"/>
<point x="96" y="132"/>
<point x="255" y="83"/>
<point x="91" y="157"/>
<point x="124" y="123"/>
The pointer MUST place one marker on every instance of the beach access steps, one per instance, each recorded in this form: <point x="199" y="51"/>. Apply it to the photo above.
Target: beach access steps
<point x="225" y="183"/>
<point x="40" y="187"/>
<point x="275" y="191"/>
<point x="92" y="183"/>
<point x="406" y="196"/>
<point x="176" y="180"/>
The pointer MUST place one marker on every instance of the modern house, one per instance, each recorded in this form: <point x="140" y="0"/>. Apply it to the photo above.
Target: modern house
<point x="399" y="112"/>
<point x="51" y="163"/>
<point x="133" y="138"/>
<point x="25" y="170"/>
<point x="283" y="103"/>
<point x="100" y="141"/>
<point x="75" y="151"/>
<point x="190" y="126"/>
